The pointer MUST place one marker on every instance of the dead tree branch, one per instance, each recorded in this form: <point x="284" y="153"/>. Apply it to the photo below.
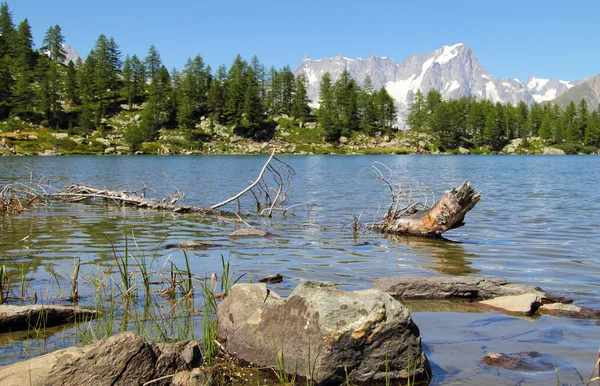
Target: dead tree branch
<point x="406" y="215"/>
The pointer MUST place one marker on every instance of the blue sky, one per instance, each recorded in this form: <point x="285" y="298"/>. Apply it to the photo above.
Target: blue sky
<point x="546" y="39"/>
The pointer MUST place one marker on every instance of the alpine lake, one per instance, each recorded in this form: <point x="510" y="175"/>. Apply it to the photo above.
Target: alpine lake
<point x="538" y="223"/>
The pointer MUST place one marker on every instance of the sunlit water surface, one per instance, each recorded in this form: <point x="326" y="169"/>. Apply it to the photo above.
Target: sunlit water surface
<point x="537" y="223"/>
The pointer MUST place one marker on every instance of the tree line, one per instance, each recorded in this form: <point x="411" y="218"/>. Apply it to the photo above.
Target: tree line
<point x="37" y="86"/>
<point x="470" y="122"/>
<point x="345" y="107"/>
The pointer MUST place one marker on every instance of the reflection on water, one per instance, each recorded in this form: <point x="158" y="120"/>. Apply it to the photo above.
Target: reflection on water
<point x="448" y="257"/>
<point x="525" y="229"/>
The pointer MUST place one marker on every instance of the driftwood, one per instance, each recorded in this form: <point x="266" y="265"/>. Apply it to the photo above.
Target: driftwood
<point x="448" y="213"/>
<point x="77" y="193"/>
<point x="260" y="189"/>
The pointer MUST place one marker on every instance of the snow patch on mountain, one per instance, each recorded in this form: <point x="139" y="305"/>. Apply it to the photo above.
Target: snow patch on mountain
<point x="448" y="52"/>
<point x="453" y="70"/>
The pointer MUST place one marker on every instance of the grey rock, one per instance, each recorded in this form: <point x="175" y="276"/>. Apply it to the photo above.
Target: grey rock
<point x="103" y="141"/>
<point x="14" y="318"/>
<point x="553" y="151"/>
<point x="463" y="150"/>
<point x="109" y="150"/>
<point x="60" y="135"/>
<point x="78" y="140"/>
<point x="323" y="332"/>
<point x="343" y="141"/>
<point x="471" y="287"/>
<point x="31" y="136"/>
<point x="123" y="148"/>
<point x="524" y="304"/>
<point x="123" y="359"/>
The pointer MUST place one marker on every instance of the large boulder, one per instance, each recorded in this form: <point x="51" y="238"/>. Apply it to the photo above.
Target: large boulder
<point x="15" y="318"/>
<point x="323" y="333"/>
<point x="469" y="287"/>
<point x="123" y="359"/>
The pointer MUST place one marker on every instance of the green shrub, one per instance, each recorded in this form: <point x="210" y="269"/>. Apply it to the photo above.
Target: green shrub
<point x="64" y="144"/>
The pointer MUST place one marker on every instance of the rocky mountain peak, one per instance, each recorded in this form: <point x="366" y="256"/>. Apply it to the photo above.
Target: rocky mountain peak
<point x="453" y="70"/>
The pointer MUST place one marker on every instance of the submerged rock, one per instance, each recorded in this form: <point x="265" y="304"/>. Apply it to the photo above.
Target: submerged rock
<point x="470" y="287"/>
<point x="521" y="361"/>
<point x="569" y="311"/>
<point x="250" y="232"/>
<point x="323" y="333"/>
<point x="15" y="318"/>
<point x="123" y="359"/>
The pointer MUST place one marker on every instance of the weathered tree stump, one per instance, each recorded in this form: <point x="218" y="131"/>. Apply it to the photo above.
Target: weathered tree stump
<point x="448" y="213"/>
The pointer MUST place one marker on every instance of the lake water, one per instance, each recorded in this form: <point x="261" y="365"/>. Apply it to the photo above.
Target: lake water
<point x="538" y="223"/>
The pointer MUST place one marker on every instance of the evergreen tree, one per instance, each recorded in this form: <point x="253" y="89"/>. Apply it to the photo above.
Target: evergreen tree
<point x="50" y="85"/>
<point x="138" y="79"/>
<point x="216" y="98"/>
<point x="417" y="116"/>
<point x="6" y="86"/>
<point x="346" y="99"/>
<point x="386" y="109"/>
<point x="71" y="88"/>
<point x="236" y="91"/>
<point x="152" y="62"/>
<point x="326" y="113"/>
<point x="273" y="97"/>
<point x="592" y="135"/>
<point x="583" y="116"/>
<point x="300" y="108"/>
<point x="7" y="31"/>
<point x="367" y="109"/>
<point x="286" y="78"/>
<point x="23" y="47"/>
<point x="571" y="124"/>
<point x="53" y="44"/>
<point x="253" y="123"/>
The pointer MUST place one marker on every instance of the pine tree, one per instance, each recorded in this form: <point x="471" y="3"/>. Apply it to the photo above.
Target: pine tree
<point x="152" y="62"/>
<point x="326" y="114"/>
<point x="286" y="78"/>
<point x="236" y="91"/>
<point x="346" y="98"/>
<point x="386" y="106"/>
<point x="24" y="54"/>
<point x="571" y="124"/>
<point x="139" y="79"/>
<point x="300" y="108"/>
<point x="367" y="108"/>
<point x="71" y="87"/>
<point x="417" y="116"/>
<point x="53" y="44"/>
<point x="7" y="31"/>
<point x="592" y="135"/>
<point x="583" y="115"/>
<point x="253" y="122"/>
<point x="216" y="97"/>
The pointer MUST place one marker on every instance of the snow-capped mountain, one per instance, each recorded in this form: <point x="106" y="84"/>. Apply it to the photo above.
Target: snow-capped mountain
<point x="452" y="70"/>
<point x="547" y="89"/>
